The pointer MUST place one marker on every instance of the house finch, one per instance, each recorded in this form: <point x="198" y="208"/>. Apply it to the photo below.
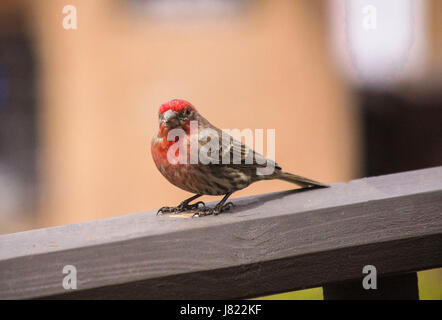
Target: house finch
<point x="216" y="177"/>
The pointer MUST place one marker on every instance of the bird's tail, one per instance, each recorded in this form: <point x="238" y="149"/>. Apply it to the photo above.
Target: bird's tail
<point x="300" y="181"/>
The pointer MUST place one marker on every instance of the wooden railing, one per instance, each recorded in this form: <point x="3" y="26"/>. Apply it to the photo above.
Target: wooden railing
<point x="269" y="243"/>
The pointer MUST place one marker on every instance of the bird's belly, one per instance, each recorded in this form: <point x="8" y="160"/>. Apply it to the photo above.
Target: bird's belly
<point x="199" y="178"/>
<point x="202" y="179"/>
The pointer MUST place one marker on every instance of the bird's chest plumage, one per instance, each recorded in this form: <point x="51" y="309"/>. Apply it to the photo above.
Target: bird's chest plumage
<point x="197" y="178"/>
<point x="171" y="164"/>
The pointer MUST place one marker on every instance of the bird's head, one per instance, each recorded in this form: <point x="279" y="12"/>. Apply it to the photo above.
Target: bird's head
<point x="176" y="114"/>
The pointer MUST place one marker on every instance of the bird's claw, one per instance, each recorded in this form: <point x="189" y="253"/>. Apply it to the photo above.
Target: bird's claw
<point x="205" y="211"/>
<point x="181" y="208"/>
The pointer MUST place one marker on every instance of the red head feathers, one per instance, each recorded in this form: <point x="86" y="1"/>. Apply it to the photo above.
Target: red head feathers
<point x="176" y="105"/>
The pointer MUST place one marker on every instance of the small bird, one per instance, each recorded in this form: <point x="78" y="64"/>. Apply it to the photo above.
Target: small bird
<point x="215" y="178"/>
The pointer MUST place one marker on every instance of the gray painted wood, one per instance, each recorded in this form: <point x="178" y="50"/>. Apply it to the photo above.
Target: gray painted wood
<point x="269" y="243"/>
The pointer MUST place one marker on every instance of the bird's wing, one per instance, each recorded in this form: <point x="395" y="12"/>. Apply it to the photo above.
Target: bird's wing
<point x="233" y="152"/>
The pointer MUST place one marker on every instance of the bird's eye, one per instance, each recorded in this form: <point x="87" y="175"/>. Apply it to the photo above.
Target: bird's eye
<point x="187" y="112"/>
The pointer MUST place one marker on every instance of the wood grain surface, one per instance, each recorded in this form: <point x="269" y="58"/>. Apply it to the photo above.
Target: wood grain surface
<point x="269" y="243"/>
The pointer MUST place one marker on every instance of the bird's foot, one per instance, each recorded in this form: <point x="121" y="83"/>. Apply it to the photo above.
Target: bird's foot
<point x="205" y="211"/>
<point x="182" y="207"/>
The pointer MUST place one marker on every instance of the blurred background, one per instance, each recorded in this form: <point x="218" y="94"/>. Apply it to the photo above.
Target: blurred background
<point x="352" y="87"/>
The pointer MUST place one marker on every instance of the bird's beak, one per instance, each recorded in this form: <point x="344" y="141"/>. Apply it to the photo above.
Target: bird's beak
<point x="169" y="118"/>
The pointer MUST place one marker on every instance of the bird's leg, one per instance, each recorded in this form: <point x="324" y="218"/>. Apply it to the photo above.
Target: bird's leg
<point x="219" y="208"/>
<point x="183" y="206"/>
